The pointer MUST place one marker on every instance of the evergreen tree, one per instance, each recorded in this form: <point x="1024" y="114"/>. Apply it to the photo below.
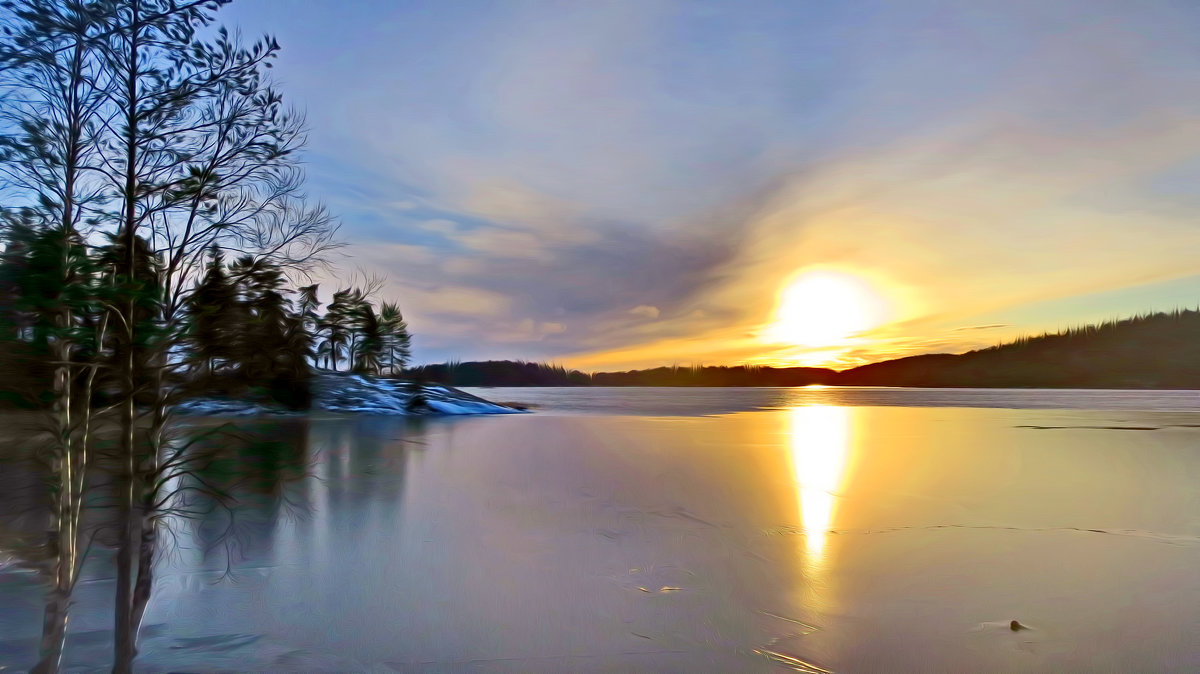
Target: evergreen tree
<point x="211" y="310"/>
<point x="51" y="93"/>
<point x="293" y="378"/>
<point x="396" y="341"/>
<point x="369" y="337"/>
<point x="338" y="326"/>
<point x="143" y="342"/>
<point x="271" y="348"/>
<point x="310" y="321"/>
<point x="16" y="321"/>
<point x="269" y="312"/>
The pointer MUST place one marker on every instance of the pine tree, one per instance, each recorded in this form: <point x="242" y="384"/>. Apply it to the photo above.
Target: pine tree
<point x="310" y="320"/>
<point x="269" y="314"/>
<point x="294" y="375"/>
<point x="369" y="336"/>
<point x="211" y="311"/>
<point x="396" y="340"/>
<point x="337" y="325"/>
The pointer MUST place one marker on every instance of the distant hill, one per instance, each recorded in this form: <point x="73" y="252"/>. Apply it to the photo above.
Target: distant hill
<point x="739" y="375"/>
<point x="1160" y="350"/>
<point x="498" y="373"/>
<point x="520" y="373"/>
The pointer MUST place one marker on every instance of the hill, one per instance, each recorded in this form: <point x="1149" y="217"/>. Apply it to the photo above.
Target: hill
<point x="1160" y="350"/>
<point x="521" y="373"/>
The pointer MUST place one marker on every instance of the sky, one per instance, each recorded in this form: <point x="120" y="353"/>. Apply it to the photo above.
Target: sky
<point x="610" y="185"/>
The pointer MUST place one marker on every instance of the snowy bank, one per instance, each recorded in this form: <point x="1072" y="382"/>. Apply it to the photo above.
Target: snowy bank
<point x="358" y="394"/>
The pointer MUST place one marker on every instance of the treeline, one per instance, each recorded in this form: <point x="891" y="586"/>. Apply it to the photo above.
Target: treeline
<point x="520" y="373"/>
<point x="1159" y="350"/>
<point x="498" y="373"/>
<point x="242" y="330"/>
<point x="141" y="145"/>
<point x="247" y="335"/>
<point x="738" y="375"/>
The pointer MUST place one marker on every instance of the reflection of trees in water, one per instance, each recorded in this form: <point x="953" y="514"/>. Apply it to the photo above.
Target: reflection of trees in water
<point x="244" y="479"/>
<point x="236" y="487"/>
<point x="226" y="485"/>
<point x="42" y="524"/>
<point x="46" y="525"/>
<point x="363" y="459"/>
<point x="231" y="481"/>
<point x="359" y="465"/>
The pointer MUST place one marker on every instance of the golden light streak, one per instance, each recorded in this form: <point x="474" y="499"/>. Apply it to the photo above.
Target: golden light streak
<point x="820" y="448"/>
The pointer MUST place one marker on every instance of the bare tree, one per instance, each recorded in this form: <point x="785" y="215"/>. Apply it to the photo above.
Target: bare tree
<point x="54" y="96"/>
<point x="205" y="155"/>
<point x="141" y="120"/>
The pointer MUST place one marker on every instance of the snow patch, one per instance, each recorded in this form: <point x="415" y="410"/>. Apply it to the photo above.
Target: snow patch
<point x="358" y="394"/>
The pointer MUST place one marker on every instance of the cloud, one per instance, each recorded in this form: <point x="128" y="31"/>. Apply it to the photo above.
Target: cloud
<point x="982" y="327"/>
<point x="502" y="243"/>
<point x="452" y="301"/>
<point x="566" y="162"/>
<point x="567" y="296"/>
<point x="507" y="202"/>
<point x="440" y="226"/>
<point x="401" y="253"/>
<point x="528" y="330"/>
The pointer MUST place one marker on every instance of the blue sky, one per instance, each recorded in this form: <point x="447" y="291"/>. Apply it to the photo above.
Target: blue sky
<point x="617" y="184"/>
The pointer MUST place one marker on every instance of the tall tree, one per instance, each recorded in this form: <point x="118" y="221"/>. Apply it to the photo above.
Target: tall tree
<point x="53" y="95"/>
<point x="338" y="326"/>
<point x="157" y="77"/>
<point x="260" y="285"/>
<point x="310" y="321"/>
<point x="397" y="343"/>
<point x="369" y="332"/>
<point x="164" y="132"/>
<point x="202" y="155"/>
<point x="211" y="309"/>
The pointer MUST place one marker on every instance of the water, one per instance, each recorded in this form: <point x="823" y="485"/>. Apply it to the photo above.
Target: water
<point x="699" y="401"/>
<point x="685" y="530"/>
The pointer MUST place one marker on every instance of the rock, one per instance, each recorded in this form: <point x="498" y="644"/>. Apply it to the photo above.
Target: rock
<point x="359" y="394"/>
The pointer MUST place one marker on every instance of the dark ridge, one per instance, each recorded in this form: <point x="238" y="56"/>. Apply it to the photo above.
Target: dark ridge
<point x="520" y="373"/>
<point x="739" y="375"/>
<point x="498" y="373"/>
<point x="1157" y="351"/>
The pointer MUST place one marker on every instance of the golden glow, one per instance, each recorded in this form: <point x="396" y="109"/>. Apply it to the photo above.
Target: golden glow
<point x="820" y="444"/>
<point x="824" y="308"/>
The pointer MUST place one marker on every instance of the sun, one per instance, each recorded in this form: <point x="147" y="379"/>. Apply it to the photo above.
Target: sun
<point x="824" y="309"/>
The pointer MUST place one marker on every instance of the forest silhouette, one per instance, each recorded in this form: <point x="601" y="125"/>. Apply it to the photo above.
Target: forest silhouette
<point x="1154" y="350"/>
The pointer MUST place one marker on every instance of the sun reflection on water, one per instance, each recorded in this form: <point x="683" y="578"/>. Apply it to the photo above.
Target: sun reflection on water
<point x="820" y="447"/>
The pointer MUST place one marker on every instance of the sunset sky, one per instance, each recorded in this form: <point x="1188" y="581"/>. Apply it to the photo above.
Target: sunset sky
<point x="625" y="184"/>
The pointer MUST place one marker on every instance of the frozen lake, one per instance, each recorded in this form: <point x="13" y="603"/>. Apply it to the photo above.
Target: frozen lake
<point x="682" y="530"/>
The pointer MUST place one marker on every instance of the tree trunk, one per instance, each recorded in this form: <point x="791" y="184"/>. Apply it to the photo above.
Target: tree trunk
<point x="54" y="630"/>
<point x="70" y="468"/>
<point x="145" y="573"/>
<point x="148" y="533"/>
<point x="123" y="635"/>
